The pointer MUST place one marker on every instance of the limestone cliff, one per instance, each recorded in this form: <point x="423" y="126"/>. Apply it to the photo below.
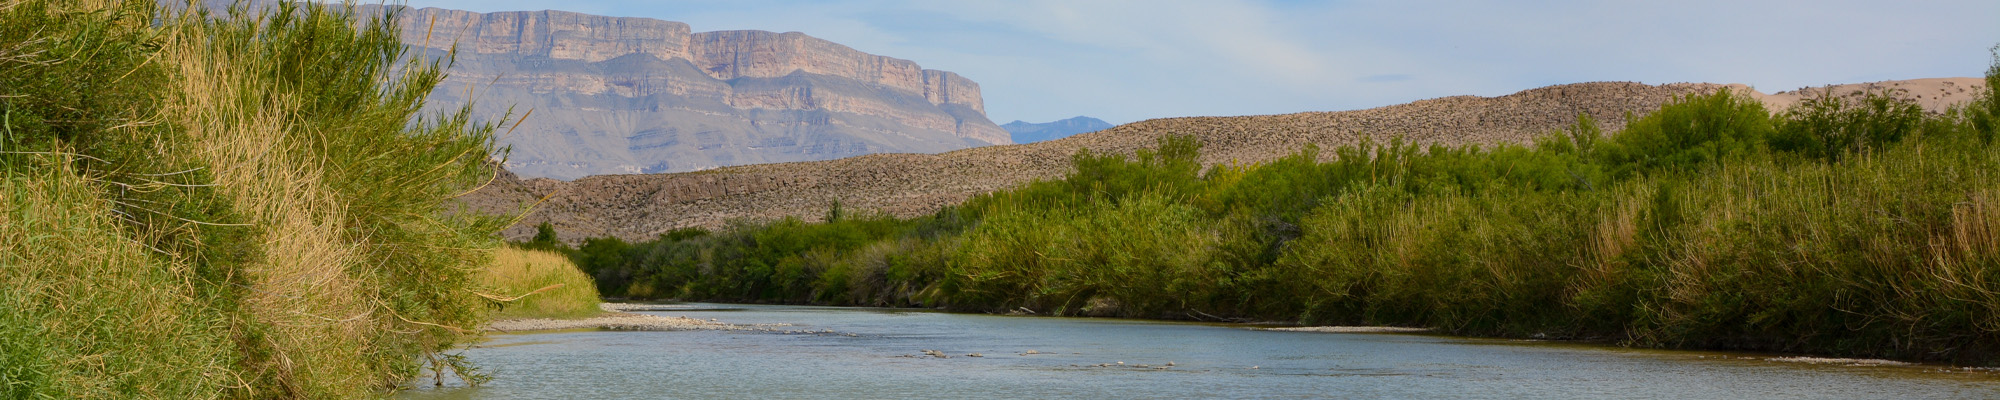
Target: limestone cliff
<point x="635" y="95"/>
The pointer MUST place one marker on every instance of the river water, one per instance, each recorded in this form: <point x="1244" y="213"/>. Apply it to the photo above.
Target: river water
<point x="878" y="353"/>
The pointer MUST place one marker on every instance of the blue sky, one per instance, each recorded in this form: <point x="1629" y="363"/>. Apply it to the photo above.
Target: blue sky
<point x="1123" y="61"/>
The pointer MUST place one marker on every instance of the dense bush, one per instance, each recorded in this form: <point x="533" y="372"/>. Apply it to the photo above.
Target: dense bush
<point x="1697" y="132"/>
<point x="1827" y="126"/>
<point x="200" y="206"/>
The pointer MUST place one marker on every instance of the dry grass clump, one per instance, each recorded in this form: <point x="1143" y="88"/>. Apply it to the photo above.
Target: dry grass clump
<point x="309" y="305"/>
<point x="538" y="284"/>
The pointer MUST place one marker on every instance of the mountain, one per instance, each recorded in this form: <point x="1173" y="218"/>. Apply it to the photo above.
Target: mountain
<point x="1023" y="132"/>
<point x="613" y="95"/>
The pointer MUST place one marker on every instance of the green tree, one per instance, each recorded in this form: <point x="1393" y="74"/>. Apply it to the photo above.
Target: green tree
<point x="545" y="239"/>
<point x="1985" y="112"/>
<point x="1828" y="126"/>
<point x="1693" y="132"/>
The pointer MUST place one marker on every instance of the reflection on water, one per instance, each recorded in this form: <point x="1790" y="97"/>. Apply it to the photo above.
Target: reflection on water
<point x="884" y="358"/>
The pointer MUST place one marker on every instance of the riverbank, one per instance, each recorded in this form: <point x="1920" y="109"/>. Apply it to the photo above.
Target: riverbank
<point x="617" y="317"/>
<point x="1351" y="329"/>
<point x="1712" y="223"/>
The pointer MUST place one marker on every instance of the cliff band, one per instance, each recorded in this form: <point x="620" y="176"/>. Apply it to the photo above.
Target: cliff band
<point x="616" y="95"/>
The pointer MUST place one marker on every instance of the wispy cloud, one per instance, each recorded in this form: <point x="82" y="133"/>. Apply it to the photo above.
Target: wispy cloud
<point x="1247" y="39"/>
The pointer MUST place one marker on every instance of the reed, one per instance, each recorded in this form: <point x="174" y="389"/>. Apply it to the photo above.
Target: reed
<point x="537" y="284"/>
<point x="92" y="313"/>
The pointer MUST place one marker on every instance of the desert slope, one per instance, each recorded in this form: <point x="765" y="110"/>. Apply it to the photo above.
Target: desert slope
<point x="1934" y="94"/>
<point x="641" y="206"/>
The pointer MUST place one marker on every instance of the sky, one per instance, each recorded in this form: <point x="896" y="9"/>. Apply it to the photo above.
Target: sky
<point x="1129" y="60"/>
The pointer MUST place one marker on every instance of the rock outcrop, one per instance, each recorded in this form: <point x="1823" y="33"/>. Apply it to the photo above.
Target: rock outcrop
<point x="614" y="95"/>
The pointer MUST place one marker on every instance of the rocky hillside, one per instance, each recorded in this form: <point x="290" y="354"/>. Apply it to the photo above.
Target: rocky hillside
<point x="1024" y="132"/>
<point x="641" y="206"/>
<point x="617" y="95"/>
<point x="1934" y="94"/>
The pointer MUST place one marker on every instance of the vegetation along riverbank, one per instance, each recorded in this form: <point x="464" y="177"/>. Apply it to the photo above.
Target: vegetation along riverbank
<point x="554" y="295"/>
<point x="1853" y="226"/>
<point x="197" y="205"/>
<point x="547" y="283"/>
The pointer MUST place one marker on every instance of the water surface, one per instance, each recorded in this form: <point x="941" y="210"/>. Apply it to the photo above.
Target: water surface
<point x="877" y="353"/>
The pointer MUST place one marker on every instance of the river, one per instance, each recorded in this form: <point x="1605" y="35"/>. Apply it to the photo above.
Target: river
<point x="878" y="353"/>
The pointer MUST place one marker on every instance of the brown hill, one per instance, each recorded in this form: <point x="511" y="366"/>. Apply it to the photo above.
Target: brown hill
<point x="1935" y="94"/>
<point x="642" y="206"/>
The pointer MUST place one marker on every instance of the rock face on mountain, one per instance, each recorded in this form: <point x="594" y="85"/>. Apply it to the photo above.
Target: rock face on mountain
<point x="1024" y="132"/>
<point x="615" y="95"/>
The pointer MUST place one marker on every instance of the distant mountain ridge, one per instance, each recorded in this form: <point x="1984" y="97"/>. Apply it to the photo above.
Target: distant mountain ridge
<point x="1023" y="132"/>
<point x="617" y="95"/>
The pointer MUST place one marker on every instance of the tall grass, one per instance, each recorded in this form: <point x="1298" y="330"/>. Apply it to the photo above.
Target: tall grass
<point x="1068" y="260"/>
<point x="314" y="143"/>
<point x="260" y="185"/>
<point x="538" y="284"/>
<point x="91" y="313"/>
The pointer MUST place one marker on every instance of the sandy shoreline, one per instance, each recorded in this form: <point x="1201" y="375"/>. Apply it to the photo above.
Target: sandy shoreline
<point x="1851" y="362"/>
<point x="620" y="317"/>
<point x="1352" y="329"/>
<point x="617" y="318"/>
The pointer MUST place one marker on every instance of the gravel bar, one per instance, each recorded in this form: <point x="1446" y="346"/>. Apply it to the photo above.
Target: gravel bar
<point x="1352" y="329"/>
<point x="616" y="319"/>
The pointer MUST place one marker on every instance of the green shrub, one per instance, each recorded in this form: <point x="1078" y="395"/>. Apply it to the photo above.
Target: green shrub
<point x="1861" y="228"/>
<point x="1984" y="111"/>
<point x="1690" y="133"/>
<point x="1829" y="125"/>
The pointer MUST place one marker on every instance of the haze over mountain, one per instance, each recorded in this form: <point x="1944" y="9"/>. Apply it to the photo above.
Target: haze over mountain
<point x="1024" y="132"/>
<point x="615" y="95"/>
